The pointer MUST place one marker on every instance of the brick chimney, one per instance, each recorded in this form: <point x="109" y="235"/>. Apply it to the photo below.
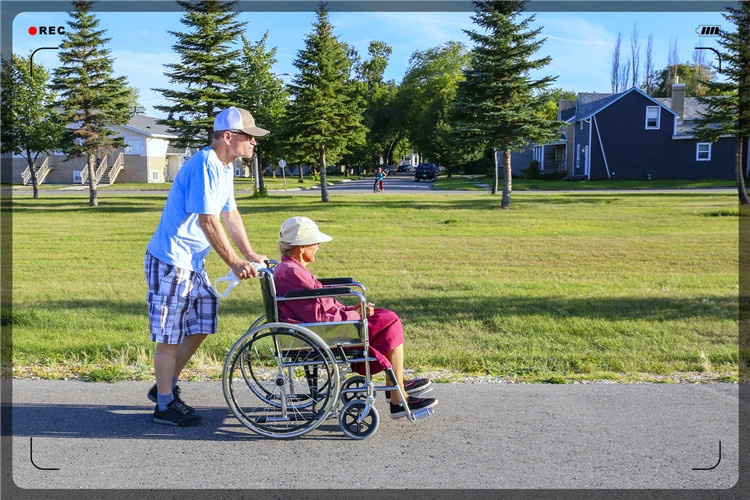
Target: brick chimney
<point x="678" y="99"/>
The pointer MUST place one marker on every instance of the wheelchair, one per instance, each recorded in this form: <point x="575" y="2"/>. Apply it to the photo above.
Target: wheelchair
<point x="282" y="380"/>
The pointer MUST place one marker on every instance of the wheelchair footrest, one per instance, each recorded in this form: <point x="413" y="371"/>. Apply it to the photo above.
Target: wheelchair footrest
<point x="420" y="414"/>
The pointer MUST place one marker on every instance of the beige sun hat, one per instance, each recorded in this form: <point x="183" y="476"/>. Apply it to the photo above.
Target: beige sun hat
<point x="300" y="231"/>
<point x="238" y="119"/>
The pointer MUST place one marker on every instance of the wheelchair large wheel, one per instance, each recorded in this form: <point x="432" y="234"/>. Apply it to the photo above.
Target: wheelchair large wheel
<point x="280" y="380"/>
<point x="350" y="416"/>
<point x="261" y="319"/>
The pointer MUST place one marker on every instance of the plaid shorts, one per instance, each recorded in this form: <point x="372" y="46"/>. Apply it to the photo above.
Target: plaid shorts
<point x="180" y="302"/>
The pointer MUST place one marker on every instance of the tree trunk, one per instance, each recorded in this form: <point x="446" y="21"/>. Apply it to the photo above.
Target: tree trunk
<point x="261" y="185"/>
<point x="323" y="186"/>
<point x="93" y="200"/>
<point x="740" y="174"/>
<point x="34" y="181"/>
<point x="507" y="180"/>
<point x="495" y="180"/>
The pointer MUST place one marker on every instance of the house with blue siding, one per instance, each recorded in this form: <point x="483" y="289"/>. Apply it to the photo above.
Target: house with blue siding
<point x="630" y="135"/>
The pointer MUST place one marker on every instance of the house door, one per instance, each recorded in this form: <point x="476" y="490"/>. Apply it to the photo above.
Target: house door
<point x="580" y="166"/>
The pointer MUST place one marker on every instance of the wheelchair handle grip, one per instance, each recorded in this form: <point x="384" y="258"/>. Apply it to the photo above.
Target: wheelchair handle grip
<point x="232" y="279"/>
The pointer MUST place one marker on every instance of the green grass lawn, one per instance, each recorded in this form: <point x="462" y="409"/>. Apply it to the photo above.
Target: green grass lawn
<point x="474" y="183"/>
<point x="241" y="184"/>
<point x="565" y="287"/>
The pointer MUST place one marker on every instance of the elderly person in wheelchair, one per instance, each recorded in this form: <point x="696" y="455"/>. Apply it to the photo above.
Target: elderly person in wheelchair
<point x="299" y="240"/>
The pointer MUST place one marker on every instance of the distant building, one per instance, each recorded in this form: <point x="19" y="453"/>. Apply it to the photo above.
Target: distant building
<point x="630" y="135"/>
<point x="147" y="157"/>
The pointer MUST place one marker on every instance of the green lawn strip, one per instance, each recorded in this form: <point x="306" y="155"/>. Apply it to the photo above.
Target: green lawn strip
<point x="481" y="182"/>
<point x="563" y="288"/>
<point x="241" y="184"/>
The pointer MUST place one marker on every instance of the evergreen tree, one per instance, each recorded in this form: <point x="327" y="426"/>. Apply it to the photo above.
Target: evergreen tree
<point x="91" y="98"/>
<point x="30" y="126"/>
<point x="324" y="116"/>
<point x="499" y="105"/>
<point x="208" y="71"/>
<point x="263" y="94"/>
<point x="729" y="113"/>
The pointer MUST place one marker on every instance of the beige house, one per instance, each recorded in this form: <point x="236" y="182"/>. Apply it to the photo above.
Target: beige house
<point x="147" y="158"/>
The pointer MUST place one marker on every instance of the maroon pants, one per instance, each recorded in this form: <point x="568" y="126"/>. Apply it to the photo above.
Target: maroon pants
<point x="386" y="333"/>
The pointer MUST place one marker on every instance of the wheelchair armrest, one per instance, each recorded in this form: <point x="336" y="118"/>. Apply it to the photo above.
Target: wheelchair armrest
<point x="325" y="292"/>
<point x="336" y="281"/>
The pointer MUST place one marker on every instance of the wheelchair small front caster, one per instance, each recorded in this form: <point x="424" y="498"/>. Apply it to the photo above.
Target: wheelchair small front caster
<point x="355" y="382"/>
<point x="350" y="416"/>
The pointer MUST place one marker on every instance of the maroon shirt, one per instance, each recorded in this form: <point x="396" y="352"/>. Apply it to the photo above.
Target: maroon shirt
<point x="384" y="326"/>
<point x="290" y="276"/>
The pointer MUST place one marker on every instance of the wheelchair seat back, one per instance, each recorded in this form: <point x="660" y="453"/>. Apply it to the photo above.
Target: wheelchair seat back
<point x="268" y="291"/>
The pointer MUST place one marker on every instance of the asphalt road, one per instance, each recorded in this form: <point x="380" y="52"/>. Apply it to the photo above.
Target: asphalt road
<point x="488" y="436"/>
<point x="400" y="183"/>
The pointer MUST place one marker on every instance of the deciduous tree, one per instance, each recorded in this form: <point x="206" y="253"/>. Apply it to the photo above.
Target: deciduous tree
<point x="30" y="126"/>
<point x="263" y="93"/>
<point x="426" y="97"/>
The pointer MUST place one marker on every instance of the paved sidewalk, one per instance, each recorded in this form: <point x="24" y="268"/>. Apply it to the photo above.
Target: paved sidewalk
<point x="79" y="435"/>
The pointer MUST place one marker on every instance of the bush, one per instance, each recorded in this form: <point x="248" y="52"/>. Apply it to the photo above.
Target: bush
<point x="532" y="171"/>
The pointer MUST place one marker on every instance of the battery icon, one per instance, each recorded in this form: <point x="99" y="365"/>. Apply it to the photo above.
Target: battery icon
<point x="708" y="30"/>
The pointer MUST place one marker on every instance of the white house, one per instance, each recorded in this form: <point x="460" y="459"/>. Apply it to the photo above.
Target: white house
<point x="147" y="157"/>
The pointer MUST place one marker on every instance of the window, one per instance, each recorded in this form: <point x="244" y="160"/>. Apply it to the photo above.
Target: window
<point x="703" y="151"/>
<point x="653" y="114"/>
<point x="155" y="175"/>
<point x="132" y="145"/>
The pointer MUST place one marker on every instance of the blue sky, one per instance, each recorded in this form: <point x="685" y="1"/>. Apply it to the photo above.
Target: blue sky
<point x="580" y="43"/>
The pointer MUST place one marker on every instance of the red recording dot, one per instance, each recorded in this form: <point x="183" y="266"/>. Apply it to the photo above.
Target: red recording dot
<point x="32" y="30"/>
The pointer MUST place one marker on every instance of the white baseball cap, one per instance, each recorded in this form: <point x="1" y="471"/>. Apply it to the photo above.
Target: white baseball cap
<point x="238" y="119"/>
<point x="300" y="231"/>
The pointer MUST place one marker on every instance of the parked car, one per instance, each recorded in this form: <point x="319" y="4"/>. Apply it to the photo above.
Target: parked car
<point x="426" y="171"/>
<point x="387" y="169"/>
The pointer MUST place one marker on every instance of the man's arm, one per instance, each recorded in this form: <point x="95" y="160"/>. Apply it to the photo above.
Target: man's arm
<point x="219" y="241"/>
<point x="236" y="229"/>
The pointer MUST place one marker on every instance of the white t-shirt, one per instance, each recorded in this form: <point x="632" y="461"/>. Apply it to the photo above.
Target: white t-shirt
<point x="202" y="186"/>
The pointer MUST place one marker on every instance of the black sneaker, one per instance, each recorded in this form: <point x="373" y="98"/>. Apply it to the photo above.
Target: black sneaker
<point x="414" y="387"/>
<point x="176" y="414"/>
<point x="398" y="411"/>
<point x="175" y="392"/>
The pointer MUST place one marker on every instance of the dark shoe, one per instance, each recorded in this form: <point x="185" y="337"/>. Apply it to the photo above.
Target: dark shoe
<point x="398" y="411"/>
<point x="176" y="414"/>
<point x="414" y="387"/>
<point x="175" y="392"/>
